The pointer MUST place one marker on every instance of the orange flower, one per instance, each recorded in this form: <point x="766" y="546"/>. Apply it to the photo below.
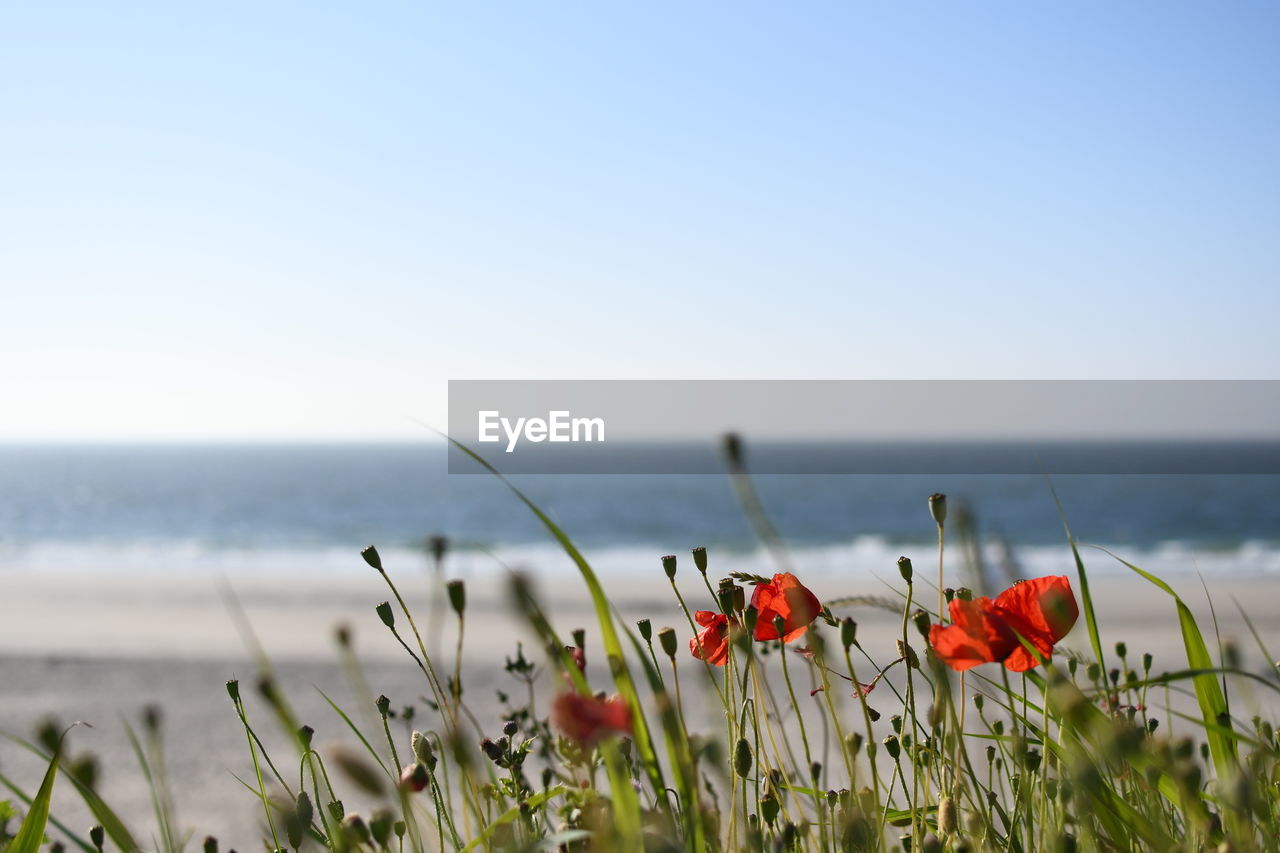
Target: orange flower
<point x="1040" y="611"/>
<point x="784" y="596"/>
<point x="712" y="642"/>
<point x="587" y="719"/>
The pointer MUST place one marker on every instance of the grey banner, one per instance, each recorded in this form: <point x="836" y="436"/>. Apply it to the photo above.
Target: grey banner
<point x="869" y="426"/>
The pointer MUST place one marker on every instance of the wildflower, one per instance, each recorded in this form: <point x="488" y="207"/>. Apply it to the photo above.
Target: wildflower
<point x="787" y="598"/>
<point x="587" y="719"/>
<point x="712" y="643"/>
<point x="1040" y="611"/>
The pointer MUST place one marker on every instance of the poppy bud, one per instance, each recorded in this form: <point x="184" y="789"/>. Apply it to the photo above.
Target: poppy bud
<point x="750" y="618"/>
<point x="978" y="701"/>
<point x="896" y="722"/>
<point x="938" y="507"/>
<point x="991" y="754"/>
<point x="669" y="566"/>
<point x="667" y="640"/>
<point x="384" y="706"/>
<point x="815" y="771"/>
<point x="700" y="559"/>
<point x="848" y="632"/>
<point x="1147" y="660"/>
<point x="948" y="593"/>
<point x="904" y="568"/>
<point x="210" y="844"/>
<point x="731" y="443"/>
<point x="964" y="594"/>
<point x="1121" y="650"/>
<point x="414" y="777"/>
<point x="457" y="596"/>
<point x="380" y="827"/>
<point x="769" y="807"/>
<point x="98" y="836"/>
<point x="908" y="654"/>
<point x="853" y="743"/>
<point x="305" y="811"/>
<point x="645" y="628"/>
<point x="742" y="758"/>
<point x="386" y="615"/>
<point x="947" y="815"/>
<point x="371" y="557"/>
<point x="305" y="734"/>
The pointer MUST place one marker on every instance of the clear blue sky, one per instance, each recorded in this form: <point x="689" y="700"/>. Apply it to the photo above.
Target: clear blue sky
<point x="249" y="220"/>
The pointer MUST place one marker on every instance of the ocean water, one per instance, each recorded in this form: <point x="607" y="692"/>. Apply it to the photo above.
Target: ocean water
<point x="299" y="509"/>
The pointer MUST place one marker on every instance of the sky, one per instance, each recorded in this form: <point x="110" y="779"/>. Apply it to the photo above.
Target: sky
<point x="246" y="221"/>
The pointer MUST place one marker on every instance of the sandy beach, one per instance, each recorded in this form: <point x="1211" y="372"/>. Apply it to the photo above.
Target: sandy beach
<point x="99" y="650"/>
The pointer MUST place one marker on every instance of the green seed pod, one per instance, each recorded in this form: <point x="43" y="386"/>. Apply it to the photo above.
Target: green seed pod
<point x="964" y="594"/>
<point x="978" y="701"/>
<point x="667" y="641"/>
<point x="700" y="559"/>
<point x="384" y="706"/>
<point x="210" y="844"/>
<point x="908" y="654"/>
<point x="233" y="690"/>
<point x="848" y="632"/>
<point x="99" y="836"/>
<point x="355" y="828"/>
<point x="853" y="743"/>
<point x="457" y="596"/>
<point x="1093" y="672"/>
<point x="1121" y="650"/>
<point x="938" y="508"/>
<point x="293" y="830"/>
<point x="669" y="566"/>
<point x="399" y="828"/>
<point x="931" y="844"/>
<point x="371" y="557"/>
<point x="385" y="613"/>
<point x="904" y="568"/>
<point x="948" y="593"/>
<point x="893" y="746"/>
<point x="336" y="810"/>
<point x="1147" y="660"/>
<point x="645" y="627"/>
<point x="742" y="758"/>
<point x="750" y="618"/>
<point x="305" y="735"/>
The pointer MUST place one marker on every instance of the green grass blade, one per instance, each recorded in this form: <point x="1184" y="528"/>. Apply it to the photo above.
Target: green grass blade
<point x="1213" y="703"/>
<point x="511" y="814"/>
<point x="609" y="635"/>
<point x="1086" y="598"/>
<point x="31" y="833"/>
<point x="358" y="734"/>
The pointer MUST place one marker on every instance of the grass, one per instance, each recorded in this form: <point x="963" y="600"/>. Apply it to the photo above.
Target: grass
<point x="823" y="743"/>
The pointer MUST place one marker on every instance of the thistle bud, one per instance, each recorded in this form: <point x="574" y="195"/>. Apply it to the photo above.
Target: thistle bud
<point x="904" y="568"/>
<point x="510" y="727"/>
<point x="700" y="559"/>
<point x="848" y="632"/>
<point x="742" y="758"/>
<point x="99" y="836"/>
<point x="938" y="507"/>
<point x="457" y="596"/>
<point x="667" y="640"/>
<point x="669" y="566"/>
<point x="385" y="613"/>
<point x="371" y="557"/>
<point x="645" y="627"/>
<point x="491" y="749"/>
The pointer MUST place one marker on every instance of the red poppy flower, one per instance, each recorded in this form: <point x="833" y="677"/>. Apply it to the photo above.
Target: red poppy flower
<point x="1040" y="611"/>
<point x="784" y="596"/>
<point x="587" y="719"/>
<point x="712" y="642"/>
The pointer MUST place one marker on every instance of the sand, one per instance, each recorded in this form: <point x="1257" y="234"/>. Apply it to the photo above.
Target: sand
<point x="95" y="649"/>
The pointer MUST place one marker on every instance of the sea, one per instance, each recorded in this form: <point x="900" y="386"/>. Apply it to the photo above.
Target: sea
<point x="308" y="510"/>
